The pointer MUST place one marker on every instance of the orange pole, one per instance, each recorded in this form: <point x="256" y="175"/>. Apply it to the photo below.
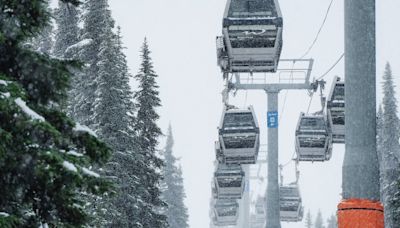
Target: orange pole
<point x="357" y="213"/>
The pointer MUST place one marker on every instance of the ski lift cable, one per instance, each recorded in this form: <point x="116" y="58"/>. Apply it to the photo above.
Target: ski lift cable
<point x="319" y="31"/>
<point x="246" y="92"/>
<point x="309" y="104"/>
<point x="291" y="160"/>
<point x="332" y="67"/>
<point x="286" y="93"/>
<point x="323" y="75"/>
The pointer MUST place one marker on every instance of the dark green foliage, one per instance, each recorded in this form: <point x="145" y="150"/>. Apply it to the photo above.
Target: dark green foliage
<point x="44" y="161"/>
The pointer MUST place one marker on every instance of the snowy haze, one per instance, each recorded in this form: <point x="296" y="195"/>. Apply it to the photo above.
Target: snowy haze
<point x="181" y="35"/>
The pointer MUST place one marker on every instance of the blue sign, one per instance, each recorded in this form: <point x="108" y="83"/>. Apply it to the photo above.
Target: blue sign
<point x="272" y="119"/>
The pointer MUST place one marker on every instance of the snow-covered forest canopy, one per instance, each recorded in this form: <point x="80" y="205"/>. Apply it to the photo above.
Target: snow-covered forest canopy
<point x="78" y="146"/>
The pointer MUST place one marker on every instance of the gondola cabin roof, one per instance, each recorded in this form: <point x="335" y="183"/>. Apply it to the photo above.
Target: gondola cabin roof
<point x="252" y="12"/>
<point x="311" y="124"/>
<point x="238" y="120"/>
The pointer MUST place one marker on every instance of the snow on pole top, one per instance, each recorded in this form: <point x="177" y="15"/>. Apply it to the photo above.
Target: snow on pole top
<point x="32" y="114"/>
<point x="82" y="128"/>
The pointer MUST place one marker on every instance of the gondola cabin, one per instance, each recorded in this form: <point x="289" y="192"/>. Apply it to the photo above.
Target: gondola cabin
<point x="226" y="212"/>
<point x="336" y="111"/>
<point x="291" y="208"/>
<point x="313" y="139"/>
<point x="252" y="36"/>
<point x="260" y="214"/>
<point x="229" y="181"/>
<point x="239" y="136"/>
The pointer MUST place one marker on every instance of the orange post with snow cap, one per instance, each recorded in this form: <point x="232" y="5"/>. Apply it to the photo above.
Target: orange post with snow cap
<point x="357" y="213"/>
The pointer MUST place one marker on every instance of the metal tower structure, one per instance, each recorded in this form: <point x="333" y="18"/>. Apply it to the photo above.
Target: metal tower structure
<point x="272" y="85"/>
<point x="360" y="167"/>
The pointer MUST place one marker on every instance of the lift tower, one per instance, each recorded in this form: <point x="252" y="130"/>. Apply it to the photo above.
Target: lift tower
<point x="360" y="206"/>
<point x="272" y="84"/>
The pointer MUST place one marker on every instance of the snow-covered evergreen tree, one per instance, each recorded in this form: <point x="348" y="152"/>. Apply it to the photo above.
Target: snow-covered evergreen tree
<point x="379" y="143"/>
<point x="43" y="42"/>
<point x="319" y="221"/>
<point x="45" y="158"/>
<point x="104" y="101"/>
<point x="67" y="33"/>
<point x="173" y="191"/>
<point x="97" y="22"/>
<point x="113" y="121"/>
<point x="389" y="147"/>
<point x="147" y="100"/>
<point x="66" y="36"/>
<point x="332" y="222"/>
<point x="308" y="221"/>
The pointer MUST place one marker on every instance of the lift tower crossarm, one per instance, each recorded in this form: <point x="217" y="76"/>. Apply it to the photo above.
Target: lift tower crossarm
<point x="300" y="84"/>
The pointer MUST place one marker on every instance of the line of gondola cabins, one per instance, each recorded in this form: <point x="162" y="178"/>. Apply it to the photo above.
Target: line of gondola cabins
<point x="252" y="42"/>
<point x="239" y="143"/>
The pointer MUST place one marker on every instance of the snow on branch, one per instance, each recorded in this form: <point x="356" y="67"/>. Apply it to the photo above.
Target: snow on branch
<point x="32" y="114"/>
<point x="4" y="214"/>
<point x="5" y="95"/>
<point x="44" y="225"/>
<point x="82" y="128"/>
<point x="79" y="45"/>
<point x="74" y="153"/>
<point x="89" y="172"/>
<point x="69" y="166"/>
<point x="2" y="82"/>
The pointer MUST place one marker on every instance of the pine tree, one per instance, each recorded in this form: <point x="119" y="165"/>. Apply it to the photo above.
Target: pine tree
<point x="43" y="42"/>
<point x="379" y="144"/>
<point x="67" y="35"/>
<point x="173" y="192"/>
<point x="308" y="221"/>
<point x="151" y="206"/>
<point x="104" y="101"/>
<point x="389" y="147"/>
<point x="319" y="222"/>
<point x="97" y="23"/>
<point x="45" y="157"/>
<point x="332" y="222"/>
<point x="113" y="121"/>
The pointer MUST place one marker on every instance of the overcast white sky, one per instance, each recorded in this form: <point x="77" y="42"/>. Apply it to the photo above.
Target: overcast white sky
<point x="181" y="35"/>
